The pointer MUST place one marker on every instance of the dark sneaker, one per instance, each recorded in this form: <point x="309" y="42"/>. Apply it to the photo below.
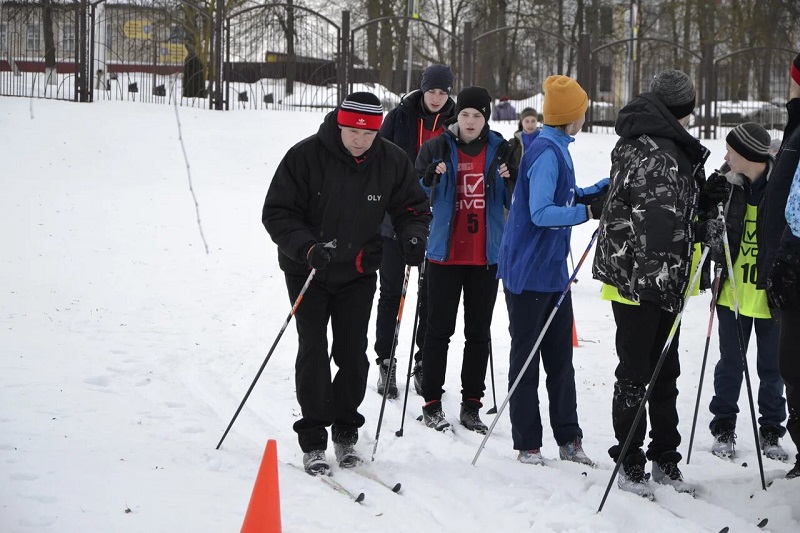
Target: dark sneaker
<point x="794" y="472"/>
<point x="724" y="444"/>
<point x="433" y="416"/>
<point x="531" y="457"/>
<point x="666" y="472"/>
<point x="392" y="380"/>
<point x="573" y="451"/>
<point x="315" y="463"/>
<point x="772" y="449"/>
<point x="418" y="377"/>
<point x="346" y="455"/>
<point x="632" y="477"/>
<point x="470" y="417"/>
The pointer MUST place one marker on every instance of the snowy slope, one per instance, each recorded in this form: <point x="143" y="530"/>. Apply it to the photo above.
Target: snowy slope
<point x="126" y="350"/>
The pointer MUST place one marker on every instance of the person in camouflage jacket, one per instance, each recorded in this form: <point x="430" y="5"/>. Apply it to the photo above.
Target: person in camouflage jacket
<point x="644" y="254"/>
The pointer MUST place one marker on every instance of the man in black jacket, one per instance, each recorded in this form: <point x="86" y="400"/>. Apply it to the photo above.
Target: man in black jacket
<point x="323" y="209"/>
<point x="420" y="116"/>
<point x="779" y="260"/>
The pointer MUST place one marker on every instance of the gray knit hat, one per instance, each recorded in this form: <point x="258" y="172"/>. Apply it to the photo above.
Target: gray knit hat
<point x="751" y="141"/>
<point x="675" y="90"/>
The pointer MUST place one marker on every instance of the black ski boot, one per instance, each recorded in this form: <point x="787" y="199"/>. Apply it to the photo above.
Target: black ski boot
<point x="315" y="463"/>
<point x="392" y="379"/>
<point x="470" y="417"/>
<point x="433" y="416"/>
<point x="418" y="377"/>
<point x="346" y="455"/>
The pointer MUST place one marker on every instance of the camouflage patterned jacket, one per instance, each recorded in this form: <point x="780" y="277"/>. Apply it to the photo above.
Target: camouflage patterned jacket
<point x="646" y="235"/>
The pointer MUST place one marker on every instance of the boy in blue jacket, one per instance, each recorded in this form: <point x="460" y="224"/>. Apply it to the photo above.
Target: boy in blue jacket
<point x="533" y="267"/>
<point x="465" y="174"/>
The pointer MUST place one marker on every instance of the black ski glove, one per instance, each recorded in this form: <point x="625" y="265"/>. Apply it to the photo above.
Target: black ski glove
<point x="783" y="290"/>
<point x="709" y="232"/>
<point x="319" y="255"/>
<point x="430" y="174"/>
<point x="587" y="199"/>
<point x="716" y="190"/>
<point x="414" y="250"/>
<point x="596" y="205"/>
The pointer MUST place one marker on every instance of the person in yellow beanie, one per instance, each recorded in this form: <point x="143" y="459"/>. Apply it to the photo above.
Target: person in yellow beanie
<point x="533" y="266"/>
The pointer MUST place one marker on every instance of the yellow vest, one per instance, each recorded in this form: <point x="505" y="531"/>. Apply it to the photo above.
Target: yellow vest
<point x="752" y="301"/>
<point x="611" y="293"/>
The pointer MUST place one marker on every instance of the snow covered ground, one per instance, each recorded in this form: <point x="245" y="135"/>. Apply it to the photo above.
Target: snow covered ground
<point x="126" y="350"/>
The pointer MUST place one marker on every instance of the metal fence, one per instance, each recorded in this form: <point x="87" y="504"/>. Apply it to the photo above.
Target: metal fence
<point x="283" y="56"/>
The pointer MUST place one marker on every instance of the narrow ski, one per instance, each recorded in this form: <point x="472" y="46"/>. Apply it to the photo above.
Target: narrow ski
<point x="338" y="487"/>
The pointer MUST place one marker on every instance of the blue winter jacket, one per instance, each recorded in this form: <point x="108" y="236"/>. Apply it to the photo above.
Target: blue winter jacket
<point x="535" y="245"/>
<point x="443" y="196"/>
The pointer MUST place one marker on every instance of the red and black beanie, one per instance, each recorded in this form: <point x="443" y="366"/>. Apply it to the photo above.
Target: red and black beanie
<point x="796" y="69"/>
<point x="360" y="110"/>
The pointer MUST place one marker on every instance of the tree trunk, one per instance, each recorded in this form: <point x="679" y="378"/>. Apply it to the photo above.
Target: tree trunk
<point x="49" y="43"/>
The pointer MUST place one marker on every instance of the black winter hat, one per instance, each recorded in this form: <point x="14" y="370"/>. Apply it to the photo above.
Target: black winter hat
<point x="437" y="77"/>
<point x="675" y="90"/>
<point x="475" y="97"/>
<point x="751" y="141"/>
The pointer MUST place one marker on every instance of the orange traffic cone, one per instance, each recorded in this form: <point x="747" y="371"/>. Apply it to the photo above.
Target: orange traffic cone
<point x="575" y="336"/>
<point x="264" y="510"/>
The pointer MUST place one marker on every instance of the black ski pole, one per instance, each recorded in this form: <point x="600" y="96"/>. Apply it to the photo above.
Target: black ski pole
<point x="535" y="346"/>
<point x="399" y="432"/>
<point x="299" y="299"/>
<point x="652" y="382"/>
<point x="493" y="410"/>
<point x="742" y="348"/>
<point x="391" y="357"/>
<point x="714" y="296"/>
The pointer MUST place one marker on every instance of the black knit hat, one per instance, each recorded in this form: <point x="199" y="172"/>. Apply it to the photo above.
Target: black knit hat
<point x="796" y="69"/>
<point x="360" y="110"/>
<point x="437" y="77"/>
<point x="475" y="97"/>
<point x="675" y="90"/>
<point x="751" y="141"/>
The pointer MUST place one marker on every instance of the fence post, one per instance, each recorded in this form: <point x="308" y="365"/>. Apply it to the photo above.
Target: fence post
<point x="467" y="74"/>
<point x="585" y="72"/>
<point x="709" y="90"/>
<point x="344" y="58"/>
<point x="220" y="14"/>
<point x="83" y="68"/>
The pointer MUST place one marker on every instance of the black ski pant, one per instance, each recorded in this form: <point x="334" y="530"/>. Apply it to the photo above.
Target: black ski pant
<point x="527" y="314"/>
<point x="642" y="332"/>
<point x="789" y="360"/>
<point x="445" y="285"/>
<point x="392" y="273"/>
<point x="347" y="305"/>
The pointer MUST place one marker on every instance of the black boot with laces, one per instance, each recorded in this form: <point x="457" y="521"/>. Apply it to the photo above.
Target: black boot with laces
<point x="391" y="380"/>
<point x="470" y="417"/>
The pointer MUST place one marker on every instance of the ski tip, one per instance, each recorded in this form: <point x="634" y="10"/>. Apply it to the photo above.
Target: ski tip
<point x="724" y="529"/>
<point x="763" y="522"/>
<point x="396" y="488"/>
<point x="419" y="418"/>
<point x="360" y="497"/>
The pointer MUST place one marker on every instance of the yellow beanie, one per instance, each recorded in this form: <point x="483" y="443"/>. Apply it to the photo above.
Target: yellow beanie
<point x="564" y="101"/>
